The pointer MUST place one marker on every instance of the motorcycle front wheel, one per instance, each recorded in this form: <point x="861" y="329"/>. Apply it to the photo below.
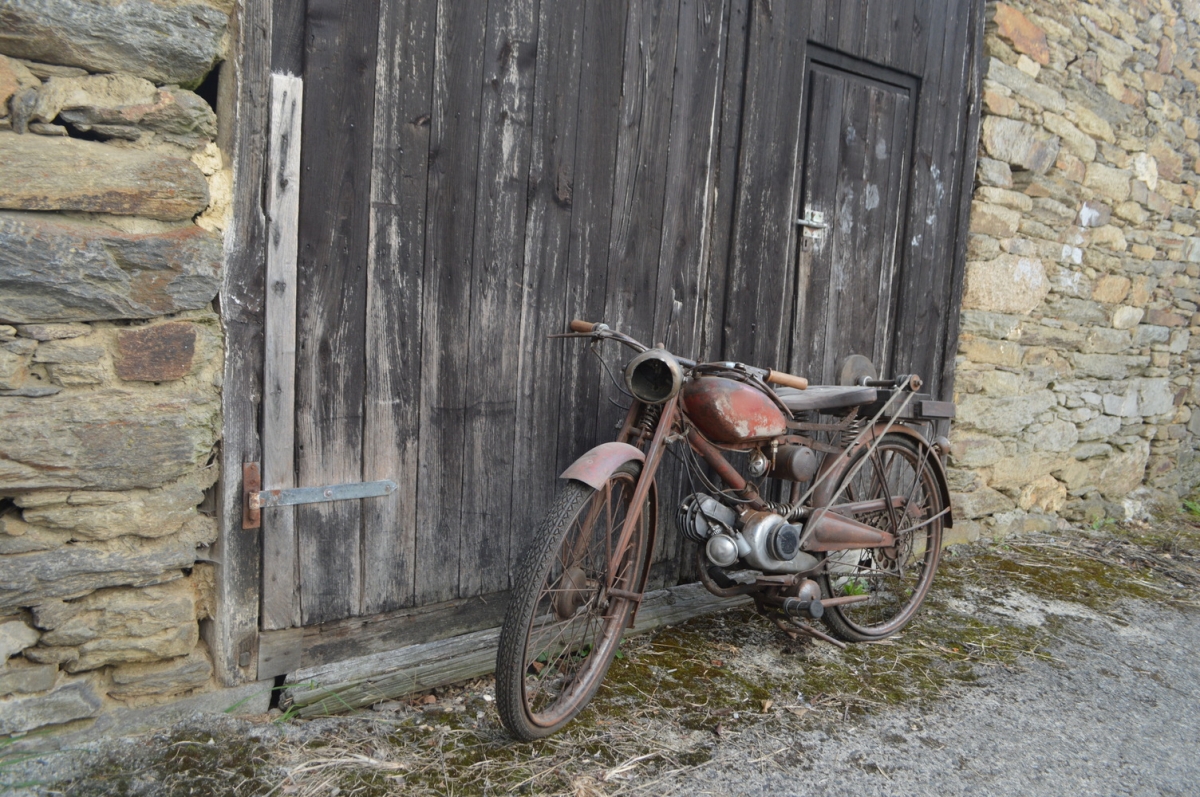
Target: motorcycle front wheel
<point x="896" y="579"/>
<point x="563" y="626"/>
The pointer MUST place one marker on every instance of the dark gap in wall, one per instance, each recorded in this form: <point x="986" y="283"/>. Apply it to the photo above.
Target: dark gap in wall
<point x="277" y="692"/>
<point x="6" y="504"/>
<point x="209" y="87"/>
<point x="73" y="132"/>
<point x="208" y="506"/>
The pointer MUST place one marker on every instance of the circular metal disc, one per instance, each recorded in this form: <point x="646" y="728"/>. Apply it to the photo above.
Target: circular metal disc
<point x="854" y="368"/>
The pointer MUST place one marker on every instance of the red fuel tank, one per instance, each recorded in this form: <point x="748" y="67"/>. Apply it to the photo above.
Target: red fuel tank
<point x="728" y="411"/>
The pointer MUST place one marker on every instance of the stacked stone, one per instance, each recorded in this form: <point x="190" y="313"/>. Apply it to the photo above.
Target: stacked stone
<point x="1077" y="362"/>
<point x="113" y="197"/>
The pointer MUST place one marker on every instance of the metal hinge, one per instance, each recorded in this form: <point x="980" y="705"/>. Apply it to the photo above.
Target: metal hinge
<point x="254" y="498"/>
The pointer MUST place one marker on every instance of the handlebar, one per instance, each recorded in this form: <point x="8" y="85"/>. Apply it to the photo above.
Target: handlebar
<point x="787" y="380"/>
<point x="581" y="327"/>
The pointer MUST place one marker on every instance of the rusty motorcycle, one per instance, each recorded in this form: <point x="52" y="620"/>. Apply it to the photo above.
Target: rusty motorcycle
<point x="838" y="518"/>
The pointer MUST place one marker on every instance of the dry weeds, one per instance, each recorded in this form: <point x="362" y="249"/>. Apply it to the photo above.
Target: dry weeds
<point x="675" y="694"/>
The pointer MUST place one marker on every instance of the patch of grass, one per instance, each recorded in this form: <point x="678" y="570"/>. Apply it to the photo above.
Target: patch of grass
<point x="674" y="694"/>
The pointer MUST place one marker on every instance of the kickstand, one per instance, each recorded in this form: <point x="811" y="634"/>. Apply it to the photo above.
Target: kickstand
<point x="804" y="628"/>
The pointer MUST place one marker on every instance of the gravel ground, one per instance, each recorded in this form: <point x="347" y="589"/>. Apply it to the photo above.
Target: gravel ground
<point x="1109" y="705"/>
<point x="1116" y="713"/>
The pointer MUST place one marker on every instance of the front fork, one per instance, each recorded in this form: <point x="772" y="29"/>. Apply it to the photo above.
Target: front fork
<point x="634" y="432"/>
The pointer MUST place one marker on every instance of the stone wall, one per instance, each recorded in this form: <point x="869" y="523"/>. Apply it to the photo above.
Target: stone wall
<point x="113" y="197"/>
<point x="1076" y="372"/>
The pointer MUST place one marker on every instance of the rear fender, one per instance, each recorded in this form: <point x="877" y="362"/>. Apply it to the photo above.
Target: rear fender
<point x="841" y="463"/>
<point x="594" y="467"/>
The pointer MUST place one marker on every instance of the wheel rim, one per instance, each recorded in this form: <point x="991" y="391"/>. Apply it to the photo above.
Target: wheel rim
<point x="896" y="578"/>
<point x="577" y="626"/>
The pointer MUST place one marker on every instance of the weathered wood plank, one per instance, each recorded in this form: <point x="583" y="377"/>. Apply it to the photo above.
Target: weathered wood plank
<point x="544" y="280"/>
<point x="639" y="187"/>
<point x="287" y="36"/>
<point x="591" y="200"/>
<point x="445" y="363"/>
<point x="687" y="213"/>
<point x="279" y="652"/>
<point x="758" y="304"/>
<point x="728" y="152"/>
<point x="497" y="295"/>
<point x="331" y="298"/>
<point x="280" y="597"/>
<point x="363" y="682"/>
<point x="361" y="636"/>
<point x="395" y="292"/>
<point x="973" y="84"/>
<point x="232" y="637"/>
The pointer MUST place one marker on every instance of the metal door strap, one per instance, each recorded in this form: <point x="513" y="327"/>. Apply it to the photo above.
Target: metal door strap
<point x="317" y="495"/>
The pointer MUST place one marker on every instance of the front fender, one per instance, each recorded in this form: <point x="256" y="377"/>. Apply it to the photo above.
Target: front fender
<point x="594" y="467"/>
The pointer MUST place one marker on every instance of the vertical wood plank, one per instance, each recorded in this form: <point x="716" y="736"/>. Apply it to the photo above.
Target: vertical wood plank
<point x="604" y="33"/>
<point x="547" y="254"/>
<point x="280" y="600"/>
<point x="497" y="294"/>
<point x="331" y="300"/>
<point x="688" y="205"/>
<point x="639" y="188"/>
<point x="287" y="36"/>
<point x="972" y="88"/>
<point x="446" y="304"/>
<point x="395" y="291"/>
<point x="761" y="273"/>
<point x="729" y="149"/>
<point x="232" y="636"/>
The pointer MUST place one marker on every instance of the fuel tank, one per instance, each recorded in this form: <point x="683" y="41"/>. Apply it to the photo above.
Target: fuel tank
<point x="728" y="411"/>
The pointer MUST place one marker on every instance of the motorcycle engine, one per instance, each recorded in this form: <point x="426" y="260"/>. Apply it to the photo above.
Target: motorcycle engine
<point x="763" y="541"/>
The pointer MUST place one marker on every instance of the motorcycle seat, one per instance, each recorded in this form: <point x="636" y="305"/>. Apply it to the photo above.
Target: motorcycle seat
<point x="825" y="397"/>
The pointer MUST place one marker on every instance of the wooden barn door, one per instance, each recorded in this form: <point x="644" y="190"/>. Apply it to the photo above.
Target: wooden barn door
<point x="855" y="166"/>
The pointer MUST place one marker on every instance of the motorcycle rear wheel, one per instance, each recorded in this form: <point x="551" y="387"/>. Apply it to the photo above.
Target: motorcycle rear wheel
<point x="562" y="627"/>
<point x="897" y="578"/>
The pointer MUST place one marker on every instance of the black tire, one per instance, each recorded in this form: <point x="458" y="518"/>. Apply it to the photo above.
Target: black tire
<point x="897" y="579"/>
<point x="562" y="629"/>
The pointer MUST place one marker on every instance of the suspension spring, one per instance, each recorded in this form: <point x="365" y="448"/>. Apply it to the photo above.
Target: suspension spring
<point x="648" y="419"/>
<point x="851" y="431"/>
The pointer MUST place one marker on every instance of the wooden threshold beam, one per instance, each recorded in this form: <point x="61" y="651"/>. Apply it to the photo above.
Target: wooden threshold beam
<point x="347" y="685"/>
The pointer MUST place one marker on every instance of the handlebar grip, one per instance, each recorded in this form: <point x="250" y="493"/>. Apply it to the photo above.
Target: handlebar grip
<point x="787" y="380"/>
<point x="581" y="326"/>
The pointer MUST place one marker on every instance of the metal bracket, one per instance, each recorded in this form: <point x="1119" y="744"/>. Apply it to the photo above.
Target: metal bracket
<point x="813" y="223"/>
<point x="251" y="484"/>
<point x="317" y="495"/>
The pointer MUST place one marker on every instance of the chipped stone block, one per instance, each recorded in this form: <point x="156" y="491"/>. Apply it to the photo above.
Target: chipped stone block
<point x="106" y="439"/>
<point x="45" y="332"/>
<point x="163" y="678"/>
<point x="17" y="536"/>
<point x="1102" y="427"/>
<point x="974" y="450"/>
<point x="72" y="700"/>
<point x="124" y="106"/>
<point x="15" y="636"/>
<point x="14" y="76"/>
<point x="995" y="173"/>
<point x="162" y="40"/>
<point x="1055" y="436"/>
<point x="1111" y="289"/>
<point x="1023" y="35"/>
<point x="1019" y="143"/>
<point x="142" y="513"/>
<point x="1078" y="142"/>
<point x="1112" y="184"/>
<point x="1156" y="397"/>
<point x="59" y="269"/>
<point x="1026" y="87"/>
<point x="1005" y="415"/>
<point x="25" y="678"/>
<point x="1123" y="472"/>
<point x="158" y="353"/>
<point x="70" y="174"/>
<point x="996" y="352"/>
<point x="32" y="578"/>
<point x="1043" y="494"/>
<point x="1126" y="317"/>
<point x="981" y="502"/>
<point x="1007" y="284"/>
<point x="1094" y="214"/>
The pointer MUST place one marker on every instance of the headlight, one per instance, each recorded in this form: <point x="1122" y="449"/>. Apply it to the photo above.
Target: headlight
<point x="653" y="376"/>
